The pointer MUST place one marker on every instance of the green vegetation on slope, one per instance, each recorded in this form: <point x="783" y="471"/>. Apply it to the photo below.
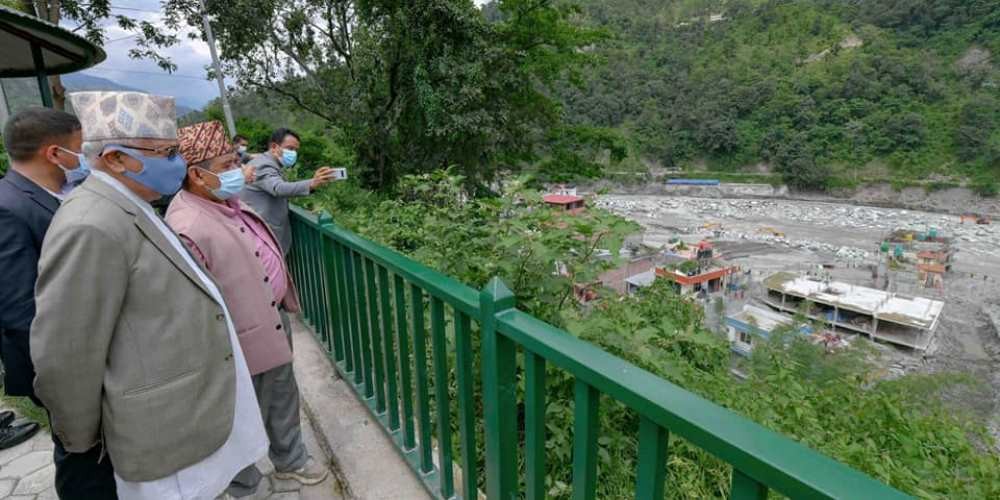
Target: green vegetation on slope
<point x="824" y="92"/>
<point x="897" y="431"/>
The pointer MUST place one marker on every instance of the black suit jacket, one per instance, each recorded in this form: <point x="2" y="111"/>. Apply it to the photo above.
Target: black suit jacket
<point x="25" y="213"/>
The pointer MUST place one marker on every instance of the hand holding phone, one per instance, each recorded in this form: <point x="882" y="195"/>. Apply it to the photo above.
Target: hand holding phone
<point x="325" y="175"/>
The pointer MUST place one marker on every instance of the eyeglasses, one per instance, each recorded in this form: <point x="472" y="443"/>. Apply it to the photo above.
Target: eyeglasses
<point x="169" y="152"/>
<point x="208" y="165"/>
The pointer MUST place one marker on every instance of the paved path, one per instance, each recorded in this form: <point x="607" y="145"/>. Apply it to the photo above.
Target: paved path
<point x="27" y="473"/>
<point x="26" y="470"/>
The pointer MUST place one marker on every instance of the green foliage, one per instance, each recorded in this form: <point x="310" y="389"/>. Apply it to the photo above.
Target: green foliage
<point x="977" y="135"/>
<point x="688" y="267"/>
<point x="786" y="83"/>
<point x="898" y="431"/>
<point x="4" y="160"/>
<point x="581" y="152"/>
<point x="515" y="236"/>
<point x="986" y="185"/>
<point x="319" y="146"/>
<point x="413" y="86"/>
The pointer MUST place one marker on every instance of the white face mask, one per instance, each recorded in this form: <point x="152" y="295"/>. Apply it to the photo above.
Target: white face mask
<point x="241" y="149"/>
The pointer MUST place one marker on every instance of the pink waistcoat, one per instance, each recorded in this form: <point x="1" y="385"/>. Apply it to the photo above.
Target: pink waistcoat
<point x="228" y="255"/>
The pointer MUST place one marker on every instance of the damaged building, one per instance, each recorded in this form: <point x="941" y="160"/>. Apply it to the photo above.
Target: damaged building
<point x="890" y="317"/>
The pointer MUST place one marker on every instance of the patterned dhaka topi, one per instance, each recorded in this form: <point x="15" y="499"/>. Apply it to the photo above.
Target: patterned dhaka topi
<point x="203" y="141"/>
<point x="124" y="115"/>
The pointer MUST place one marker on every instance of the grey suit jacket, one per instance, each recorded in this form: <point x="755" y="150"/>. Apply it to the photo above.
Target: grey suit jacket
<point x="268" y="196"/>
<point x="127" y="343"/>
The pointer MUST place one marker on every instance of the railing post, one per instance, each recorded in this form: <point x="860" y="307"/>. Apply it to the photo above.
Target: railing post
<point x="652" y="470"/>
<point x="746" y="488"/>
<point x="534" y="426"/>
<point x="326" y="309"/>
<point x="586" y="422"/>
<point x="499" y="394"/>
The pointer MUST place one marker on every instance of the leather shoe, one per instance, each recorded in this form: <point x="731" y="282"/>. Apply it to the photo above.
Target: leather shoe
<point x="6" y="417"/>
<point x="16" y="434"/>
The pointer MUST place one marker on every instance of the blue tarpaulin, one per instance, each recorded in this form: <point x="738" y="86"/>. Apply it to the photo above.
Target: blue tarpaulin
<point x="693" y="182"/>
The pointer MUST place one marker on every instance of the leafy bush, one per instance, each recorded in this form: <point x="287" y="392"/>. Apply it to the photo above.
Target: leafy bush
<point x="516" y="236"/>
<point x="986" y="185"/>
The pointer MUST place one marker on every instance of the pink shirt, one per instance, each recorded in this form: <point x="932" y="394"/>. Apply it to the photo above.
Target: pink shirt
<point x="267" y="250"/>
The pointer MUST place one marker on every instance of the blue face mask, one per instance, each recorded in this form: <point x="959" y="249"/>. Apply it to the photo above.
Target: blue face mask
<point x="231" y="183"/>
<point x="288" y="157"/>
<point x="163" y="175"/>
<point x="75" y="176"/>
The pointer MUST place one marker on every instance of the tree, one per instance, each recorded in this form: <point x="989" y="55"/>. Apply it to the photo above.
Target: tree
<point x="977" y="121"/>
<point x="92" y="19"/>
<point x="416" y="85"/>
<point x="798" y="166"/>
<point x="905" y="131"/>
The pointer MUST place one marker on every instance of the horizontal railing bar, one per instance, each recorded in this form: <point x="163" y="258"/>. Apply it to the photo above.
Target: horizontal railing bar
<point x="305" y="216"/>
<point x="435" y="284"/>
<point x="776" y="461"/>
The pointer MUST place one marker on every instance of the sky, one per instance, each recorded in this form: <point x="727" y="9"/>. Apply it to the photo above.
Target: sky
<point x="188" y="84"/>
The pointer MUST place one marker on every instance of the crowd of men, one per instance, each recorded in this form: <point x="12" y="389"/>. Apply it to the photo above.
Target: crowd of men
<point x="159" y="346"/>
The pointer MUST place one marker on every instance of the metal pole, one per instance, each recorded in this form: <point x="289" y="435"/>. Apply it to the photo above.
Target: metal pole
<point x="43" y="78"/>
<point x="210" y="38"/>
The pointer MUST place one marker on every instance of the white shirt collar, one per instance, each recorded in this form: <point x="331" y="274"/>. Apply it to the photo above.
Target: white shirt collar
<point x="123" y="189"/>
<point x="59" y="196"/>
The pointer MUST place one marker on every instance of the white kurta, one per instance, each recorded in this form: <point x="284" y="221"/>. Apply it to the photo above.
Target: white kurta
<point x="247" y="443"/>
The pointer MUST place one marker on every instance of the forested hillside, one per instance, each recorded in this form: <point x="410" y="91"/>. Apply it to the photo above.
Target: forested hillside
<point x="825" y="92"/>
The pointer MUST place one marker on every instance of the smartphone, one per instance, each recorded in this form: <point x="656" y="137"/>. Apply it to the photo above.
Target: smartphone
<point x="340" y="173"/>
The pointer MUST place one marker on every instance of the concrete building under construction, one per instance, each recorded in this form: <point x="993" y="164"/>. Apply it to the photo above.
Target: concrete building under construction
<point x="895" y="318"/>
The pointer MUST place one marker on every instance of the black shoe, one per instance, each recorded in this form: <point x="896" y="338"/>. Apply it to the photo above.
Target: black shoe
<point x="6" y="417"/>
<point x="17" y="434"/>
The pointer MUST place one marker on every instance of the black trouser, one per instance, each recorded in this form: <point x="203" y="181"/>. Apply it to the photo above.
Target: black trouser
<point x="83" y="476"/>
<point x="19" y="373"/>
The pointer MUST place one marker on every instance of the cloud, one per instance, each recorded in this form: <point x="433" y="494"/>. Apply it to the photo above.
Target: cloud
<point x="188" y="83"/>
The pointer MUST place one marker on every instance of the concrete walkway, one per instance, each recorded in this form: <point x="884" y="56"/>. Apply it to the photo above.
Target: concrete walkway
<point x="26" y="470"/>
<point x="27" y="473"/>
<point x="365" y="459"/>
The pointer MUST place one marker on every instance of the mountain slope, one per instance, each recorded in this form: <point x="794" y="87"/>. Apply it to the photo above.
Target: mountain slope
<point x="83" y="81"/>
<point x="826" y="92"/>
<point x="24" y="91"/>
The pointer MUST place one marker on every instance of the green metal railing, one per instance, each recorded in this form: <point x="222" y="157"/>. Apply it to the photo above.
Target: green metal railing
<point x="367" y="305"/>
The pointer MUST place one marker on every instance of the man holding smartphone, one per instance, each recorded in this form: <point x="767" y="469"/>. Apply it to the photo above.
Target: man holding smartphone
<point x="268" y="195"/>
